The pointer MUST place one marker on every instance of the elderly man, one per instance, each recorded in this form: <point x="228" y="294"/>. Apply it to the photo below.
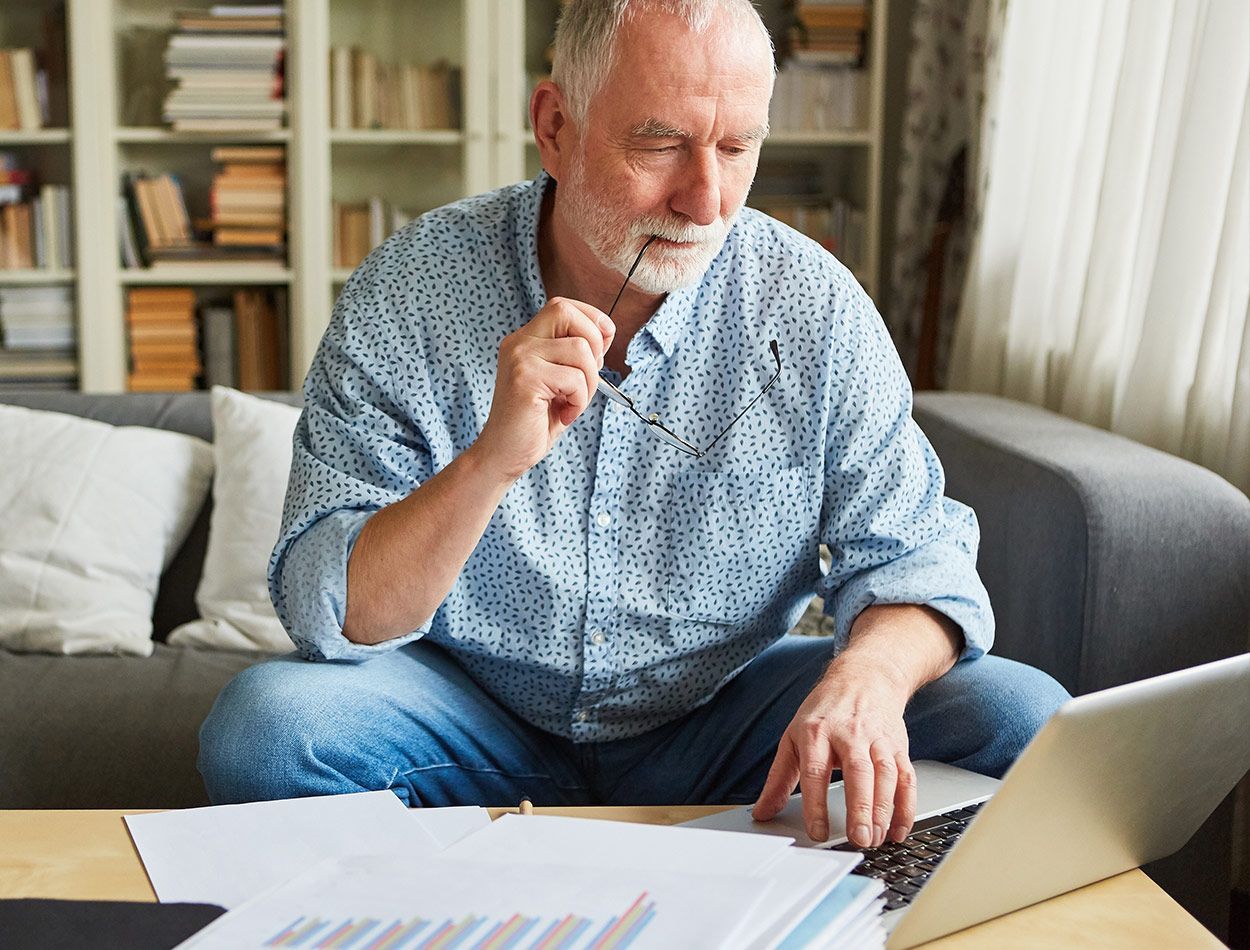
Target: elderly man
<point x="548" y="585"/>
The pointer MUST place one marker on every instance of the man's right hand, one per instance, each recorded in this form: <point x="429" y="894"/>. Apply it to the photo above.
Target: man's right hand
<point x="547" y="375"/>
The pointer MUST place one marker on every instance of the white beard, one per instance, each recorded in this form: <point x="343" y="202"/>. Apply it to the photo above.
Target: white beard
<point x="616" y="239"/>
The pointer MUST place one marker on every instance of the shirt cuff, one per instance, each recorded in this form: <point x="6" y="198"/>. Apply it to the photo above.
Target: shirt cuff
<point x="917" y="578"/>
<point x="313" y="601"/>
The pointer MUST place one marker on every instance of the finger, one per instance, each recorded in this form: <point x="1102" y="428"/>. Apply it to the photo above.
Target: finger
<point x="783" y="775"/>
<point x="904" y="798"/>
<point x="885" y="783"/>
<point x="571" y="351"/>
<point x="563" y="317"/>
<point x="859" y="779"/>
<point x="565" y="391"/>
<point x="601" y="320"/>
<point x="815" y="767"/>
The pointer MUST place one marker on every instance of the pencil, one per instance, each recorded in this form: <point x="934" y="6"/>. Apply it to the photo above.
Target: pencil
<point x="526" y="807"/>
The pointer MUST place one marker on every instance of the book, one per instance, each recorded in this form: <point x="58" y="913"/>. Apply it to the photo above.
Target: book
<point x="248" y="153"/>
<point x="126" y="239"/>
<point x="219" y="346"/>
<point x="257" y="339"/>
<point x="341" y="88"/>
<point x="27" y="101"/>
<point x="851" y="17"/>
<point x="9" y="116"/>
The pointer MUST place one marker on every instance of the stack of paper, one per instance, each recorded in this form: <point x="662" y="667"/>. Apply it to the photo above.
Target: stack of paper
<point x="363" y="871"/>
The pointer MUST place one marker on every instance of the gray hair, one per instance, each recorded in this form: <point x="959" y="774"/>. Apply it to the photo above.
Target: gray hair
<point x="585" y="40"/>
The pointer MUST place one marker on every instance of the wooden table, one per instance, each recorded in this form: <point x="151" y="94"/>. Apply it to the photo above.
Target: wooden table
<point x="88" y="855"/>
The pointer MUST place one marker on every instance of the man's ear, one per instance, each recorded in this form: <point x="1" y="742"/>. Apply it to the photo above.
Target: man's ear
<point x="548" y="117"/>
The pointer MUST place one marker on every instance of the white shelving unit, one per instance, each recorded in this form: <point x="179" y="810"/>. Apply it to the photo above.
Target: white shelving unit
<point x="116" y="85"/>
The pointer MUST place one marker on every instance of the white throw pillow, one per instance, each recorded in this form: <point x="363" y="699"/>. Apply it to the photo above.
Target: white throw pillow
<point x="91" y="514"/>
<point x="252" y="449"/>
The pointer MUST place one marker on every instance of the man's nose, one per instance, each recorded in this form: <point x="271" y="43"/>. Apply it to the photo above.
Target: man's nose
<point x="698" y="193"/>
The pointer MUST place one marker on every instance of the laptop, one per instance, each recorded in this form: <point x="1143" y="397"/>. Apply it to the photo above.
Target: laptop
<point x="1114" y="780"/>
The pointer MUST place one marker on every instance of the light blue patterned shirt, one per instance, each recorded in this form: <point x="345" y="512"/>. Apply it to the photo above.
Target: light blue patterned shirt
<point x="621" y="582"/>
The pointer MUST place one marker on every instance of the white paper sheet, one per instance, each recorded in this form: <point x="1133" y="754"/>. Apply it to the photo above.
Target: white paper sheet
<point x="377" y="902"/>
<point x="449" y="824"/>
<point x="227" y="854"/>
<point x="800" y="880"/>
<point x="591" y="843"/>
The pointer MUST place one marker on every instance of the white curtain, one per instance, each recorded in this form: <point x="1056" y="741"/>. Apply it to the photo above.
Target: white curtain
<point x="1110" y="276"/>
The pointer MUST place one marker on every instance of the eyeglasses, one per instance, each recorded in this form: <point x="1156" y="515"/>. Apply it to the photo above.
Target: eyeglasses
<point x="654" y="425"/>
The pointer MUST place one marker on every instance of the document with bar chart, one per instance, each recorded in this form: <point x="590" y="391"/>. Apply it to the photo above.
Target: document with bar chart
<point x="388" y="903"/>
<point x="477" y="932"/>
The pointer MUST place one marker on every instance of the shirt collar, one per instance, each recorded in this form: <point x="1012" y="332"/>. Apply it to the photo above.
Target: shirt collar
<point x="667" y="325"/>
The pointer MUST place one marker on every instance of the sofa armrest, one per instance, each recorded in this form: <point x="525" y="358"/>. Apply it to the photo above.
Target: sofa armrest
<point x="1106" y="561"/>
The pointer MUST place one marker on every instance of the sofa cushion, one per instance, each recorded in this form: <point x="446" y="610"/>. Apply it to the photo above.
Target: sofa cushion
<point x="92" y="515"/>
<point x="176" y="412"/>
<point x="107" y="731"/>
<point x="252" y="460"/>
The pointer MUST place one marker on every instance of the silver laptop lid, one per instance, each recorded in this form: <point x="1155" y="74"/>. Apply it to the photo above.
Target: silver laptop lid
<point x="1114" y="780"/>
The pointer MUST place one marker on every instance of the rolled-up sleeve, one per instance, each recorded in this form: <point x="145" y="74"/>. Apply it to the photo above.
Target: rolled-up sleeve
<point x="354" y="452"/>
<point x="893" y="535"/>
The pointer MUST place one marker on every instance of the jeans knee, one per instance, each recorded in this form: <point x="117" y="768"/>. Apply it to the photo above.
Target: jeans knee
<point x="1022" y="702"/>
<point x="1034" y="699"/>
<point x="257" y="736"/>
<point x="983" y="712"/>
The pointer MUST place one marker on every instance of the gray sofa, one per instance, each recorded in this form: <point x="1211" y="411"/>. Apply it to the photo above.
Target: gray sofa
<point x="1106" y="562"/>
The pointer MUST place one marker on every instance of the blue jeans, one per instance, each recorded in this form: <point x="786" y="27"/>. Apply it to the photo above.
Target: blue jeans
<point x="414" y="722"/>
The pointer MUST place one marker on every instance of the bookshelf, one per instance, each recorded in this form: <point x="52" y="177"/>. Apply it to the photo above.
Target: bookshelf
<point x="38" y="296"/>
<point x="106" y="120"/>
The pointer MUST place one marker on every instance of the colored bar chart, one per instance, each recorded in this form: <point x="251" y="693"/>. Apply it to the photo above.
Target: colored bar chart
<point x="471" y="932"/>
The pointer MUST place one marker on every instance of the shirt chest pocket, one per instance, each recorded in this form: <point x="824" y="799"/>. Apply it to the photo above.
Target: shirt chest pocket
<point x="739" y="539"/>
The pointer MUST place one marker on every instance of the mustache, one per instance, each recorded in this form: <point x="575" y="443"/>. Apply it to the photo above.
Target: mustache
<point x="682" y="232"/>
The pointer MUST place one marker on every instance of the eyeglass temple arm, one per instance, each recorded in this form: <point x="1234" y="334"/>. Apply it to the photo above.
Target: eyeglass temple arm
<point x="772" y="345"/>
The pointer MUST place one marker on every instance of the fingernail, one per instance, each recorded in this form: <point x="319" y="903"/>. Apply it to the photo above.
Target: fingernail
<point x="898" y="832"/>
<point x="863" y="836"/>
<point x="878" y="836"/>
<point x="820" y="831"/>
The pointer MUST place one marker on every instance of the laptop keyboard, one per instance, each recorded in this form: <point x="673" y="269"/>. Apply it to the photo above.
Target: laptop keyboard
<point x="904" y="866"/>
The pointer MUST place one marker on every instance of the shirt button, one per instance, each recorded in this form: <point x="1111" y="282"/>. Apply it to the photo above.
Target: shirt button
<point x="582" y="715"/>
<point x="597" y="638"/>
<point x="603" y="520"/>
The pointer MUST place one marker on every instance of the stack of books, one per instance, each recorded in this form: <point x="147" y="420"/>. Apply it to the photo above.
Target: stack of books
<point x="227" y="67"/>
<point x="360" y="227"/>
<point x="822" y="85"/>
<point x="164" y="344"/>
<point x="23" y="90"/>
<point x="248" y="200"/>
<point x="830" y="32"/>
<point x="34" y="223"/>
<point x="37" y="333"/>
<point x="368" y="94"/>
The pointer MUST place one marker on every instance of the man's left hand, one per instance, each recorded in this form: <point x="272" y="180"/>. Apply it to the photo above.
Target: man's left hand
<point x="852" y="721"/>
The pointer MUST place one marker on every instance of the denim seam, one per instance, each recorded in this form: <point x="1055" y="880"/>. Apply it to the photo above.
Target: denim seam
<point x="465" y="768"/>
